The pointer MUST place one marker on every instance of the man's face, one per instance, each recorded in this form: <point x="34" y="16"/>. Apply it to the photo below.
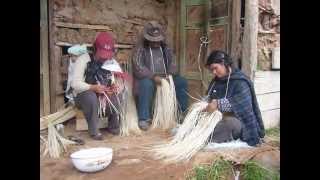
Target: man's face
<point x="218" y="70"/>
<point x="154" y="44"/>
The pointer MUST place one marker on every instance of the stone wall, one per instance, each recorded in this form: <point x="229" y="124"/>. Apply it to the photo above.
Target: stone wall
<point x="269" y="32"/>
<point x="125" y="17"/>
<point x="76" y="21"/>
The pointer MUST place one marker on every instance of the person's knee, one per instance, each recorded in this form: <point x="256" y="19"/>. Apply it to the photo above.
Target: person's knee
<point x="89" y="98"/>
<point x="234" y="125"/>
<point x="233" y="122"/>
<point x="146" y="84"/>
<point x="181" y="82"/>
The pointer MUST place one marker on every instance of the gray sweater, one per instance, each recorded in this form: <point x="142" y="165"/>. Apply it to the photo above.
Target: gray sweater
<point x="146" y="64"/>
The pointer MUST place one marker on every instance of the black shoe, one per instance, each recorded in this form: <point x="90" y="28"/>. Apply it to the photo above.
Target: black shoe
<point x="149" y="121"/>
<point x="114" y="131"/>
<point x="97" y="137"/>
<point x="144" y="125"/>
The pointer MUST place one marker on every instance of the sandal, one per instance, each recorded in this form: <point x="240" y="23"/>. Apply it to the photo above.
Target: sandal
<point x="76" y="139"/>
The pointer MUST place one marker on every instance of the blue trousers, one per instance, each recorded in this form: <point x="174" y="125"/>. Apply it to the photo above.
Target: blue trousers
<point x="146" y="94"/>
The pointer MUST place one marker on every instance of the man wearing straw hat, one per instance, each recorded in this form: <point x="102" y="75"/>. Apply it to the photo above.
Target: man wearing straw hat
<point x="152" y="61"/>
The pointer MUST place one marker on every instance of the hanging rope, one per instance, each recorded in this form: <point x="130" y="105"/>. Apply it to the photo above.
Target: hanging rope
<point x="203" y="41"/>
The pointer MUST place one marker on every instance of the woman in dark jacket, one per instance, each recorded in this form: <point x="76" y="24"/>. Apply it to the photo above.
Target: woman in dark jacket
<point x="232" y="93"/>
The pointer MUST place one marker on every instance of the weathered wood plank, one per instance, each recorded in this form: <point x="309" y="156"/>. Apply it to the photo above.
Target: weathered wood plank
<point x="82" y="125"/>
<point x="44" y="53"/>
<point x="120" y="46"/>
<point x="235" y="31"/>
<point x="195" y="89"/>
<point x="178" y="37"/>
<point x="133" y="22"/>
<point x="250" y="38"/>
<point x="53" y="60"/>
<point x="269" y="101"/>
<point x="267" y="82"/>
<point x="276" y="58"/>
<point x="271" y="118"/>
<point x="83" y="26"/>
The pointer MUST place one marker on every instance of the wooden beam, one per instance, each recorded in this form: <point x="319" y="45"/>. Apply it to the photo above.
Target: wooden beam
<point x="133" y="22"/>
<point x="250" y="38"/>
<point x="44" y="53"/>
<point x="177" y="36"/>
<point x="82" y="26"/>
<point x="54" y="76"/>
<point x="271" y="118"/>
<point x="269" y="101"/>
<point x="266" y="32"/>
<point x="52" y="57"/>
<point x="120" y="46"/>
<point x="266" y="82"/>
<point x="235" y="31"/>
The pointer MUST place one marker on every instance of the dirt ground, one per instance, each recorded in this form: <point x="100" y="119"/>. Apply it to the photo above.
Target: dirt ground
<point x="125" y="165"/>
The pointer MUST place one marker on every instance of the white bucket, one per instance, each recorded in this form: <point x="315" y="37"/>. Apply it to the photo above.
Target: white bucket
<point x="92" y="160"/>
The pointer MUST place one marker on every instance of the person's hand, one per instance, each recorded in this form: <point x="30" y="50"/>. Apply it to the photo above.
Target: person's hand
<point x="212" y="106"/>
<point x="157" y="80"/>
<point x="98" y="88"/>
<point x="109" y="91"/>
<point x="113" y="89"/>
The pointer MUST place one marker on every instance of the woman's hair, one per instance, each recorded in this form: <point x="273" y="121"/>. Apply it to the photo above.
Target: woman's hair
<point x="218" y="56"/>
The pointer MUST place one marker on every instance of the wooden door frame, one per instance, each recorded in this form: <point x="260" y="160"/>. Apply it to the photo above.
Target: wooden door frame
<point x="44" y="55"/>
<point x="182" y="43"/>
<point x="234" y="43"/>
<point x="221" y="21"/>
<point x="232" y="39"/>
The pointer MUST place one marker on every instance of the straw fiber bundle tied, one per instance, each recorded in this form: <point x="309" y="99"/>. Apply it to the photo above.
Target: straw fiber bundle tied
<point x="165" y="107"/>
<point x="55" y="143"/>
<point x="126" y="109"/>
<point x="129" y="121"/>
<point x="191" y="136"/>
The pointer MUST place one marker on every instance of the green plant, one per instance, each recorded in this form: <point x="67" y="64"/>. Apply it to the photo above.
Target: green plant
<point x="273" y="132"/>
<point x="254" y="171"/>
<point x="218" y="170"/>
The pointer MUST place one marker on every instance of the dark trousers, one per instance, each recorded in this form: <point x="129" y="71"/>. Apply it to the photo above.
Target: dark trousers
<point x="146" y="94"/>
<point x="88" y="102"/>
<point x="228" y="129"/>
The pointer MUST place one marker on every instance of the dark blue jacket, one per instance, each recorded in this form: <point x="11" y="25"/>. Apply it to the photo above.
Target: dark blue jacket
<point x="242" y="98"/>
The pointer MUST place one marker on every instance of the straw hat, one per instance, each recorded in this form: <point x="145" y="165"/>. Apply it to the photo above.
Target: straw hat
<point x="153" y="32"/>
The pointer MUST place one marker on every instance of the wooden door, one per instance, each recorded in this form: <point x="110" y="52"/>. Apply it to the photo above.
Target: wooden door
<point x="202" y="18"/>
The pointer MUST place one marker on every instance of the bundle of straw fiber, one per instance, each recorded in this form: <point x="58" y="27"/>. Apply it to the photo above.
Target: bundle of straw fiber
<point x="129" y="120"/>
<point x="55" y="143"/>
<point x="166" y="112"/>
<point x="192" y="135"/>
<point x="58" y="117"/>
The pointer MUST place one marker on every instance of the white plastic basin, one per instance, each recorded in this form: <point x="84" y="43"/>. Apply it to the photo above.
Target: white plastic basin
<point x="92" y="160"/>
